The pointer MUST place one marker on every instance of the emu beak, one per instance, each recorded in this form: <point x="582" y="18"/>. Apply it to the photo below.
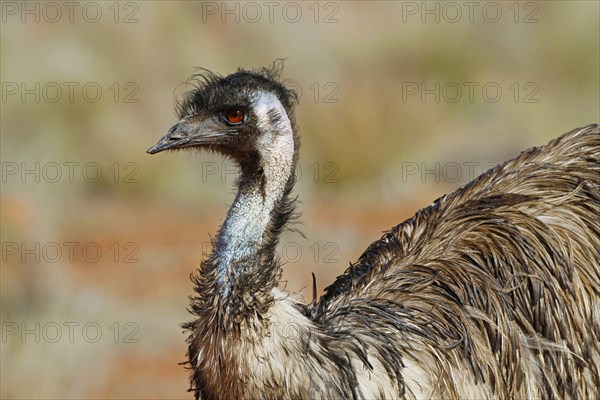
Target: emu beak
<point x="177" y="136"/>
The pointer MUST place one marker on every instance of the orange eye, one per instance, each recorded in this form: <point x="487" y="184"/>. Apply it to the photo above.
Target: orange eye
<point x="235" y="117"/>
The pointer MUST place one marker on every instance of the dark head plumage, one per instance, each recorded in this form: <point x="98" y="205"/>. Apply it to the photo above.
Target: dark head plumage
<point x="213" y="91"/>
<point x="229" y="114"/>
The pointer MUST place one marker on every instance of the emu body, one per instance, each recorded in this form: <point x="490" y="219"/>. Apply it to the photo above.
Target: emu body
<point x="493" y="291"/>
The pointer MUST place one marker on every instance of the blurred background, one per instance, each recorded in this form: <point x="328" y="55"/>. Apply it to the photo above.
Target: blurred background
<point x="401" y="102"/>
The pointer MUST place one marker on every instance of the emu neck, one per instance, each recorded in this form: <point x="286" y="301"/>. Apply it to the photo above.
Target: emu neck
<point x="245" y="269"/>
<point x="243" y="240"/>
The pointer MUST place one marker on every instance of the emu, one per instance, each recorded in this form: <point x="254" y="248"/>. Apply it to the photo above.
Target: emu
<point x="491" y="292"/>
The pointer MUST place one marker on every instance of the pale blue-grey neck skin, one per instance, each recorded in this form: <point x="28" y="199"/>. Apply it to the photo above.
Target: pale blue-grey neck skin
<point x="242" y="234"/>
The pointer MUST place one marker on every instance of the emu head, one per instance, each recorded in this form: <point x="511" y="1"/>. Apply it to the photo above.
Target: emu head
<point x="239" y="115"/>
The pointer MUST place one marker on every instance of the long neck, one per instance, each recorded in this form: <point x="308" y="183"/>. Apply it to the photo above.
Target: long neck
<point x="242" y="270"/>
<point x="244" y="241"/>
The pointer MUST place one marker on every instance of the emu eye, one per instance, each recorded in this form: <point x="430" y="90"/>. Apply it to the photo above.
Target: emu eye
<point x="235" y="116"/>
